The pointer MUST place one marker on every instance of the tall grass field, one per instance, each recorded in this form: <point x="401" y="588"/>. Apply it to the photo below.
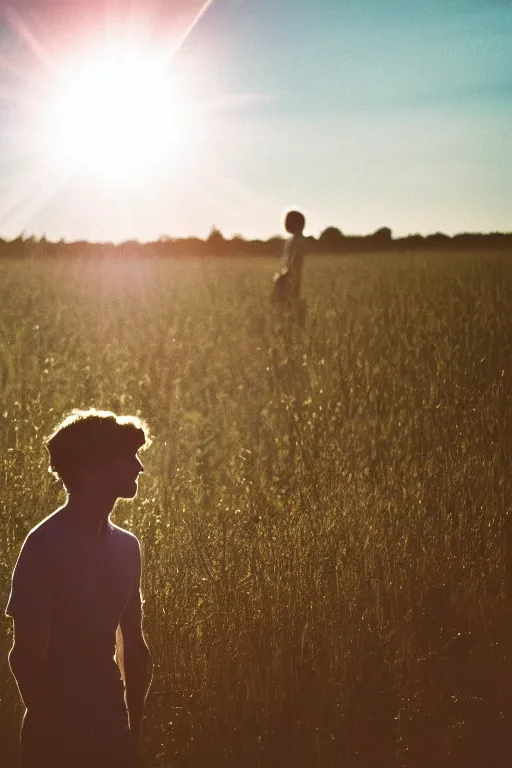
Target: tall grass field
<point x="323" y="508"/>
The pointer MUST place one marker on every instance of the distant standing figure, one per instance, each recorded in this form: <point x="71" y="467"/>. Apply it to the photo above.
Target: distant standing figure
<point x="75" y="584"/>
<point x="288" y="280"/>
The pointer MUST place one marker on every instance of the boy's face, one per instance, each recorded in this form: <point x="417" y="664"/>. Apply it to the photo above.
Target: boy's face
<point x="122" y="475"/>
<point x="117" y="477"/>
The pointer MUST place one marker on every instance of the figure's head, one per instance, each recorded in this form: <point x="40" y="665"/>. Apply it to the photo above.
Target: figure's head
<point x="98" y="450"/>
<point x="295" y="222"/>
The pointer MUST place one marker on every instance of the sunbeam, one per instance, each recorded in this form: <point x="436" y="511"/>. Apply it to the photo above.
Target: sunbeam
<point x="193" y="24"/>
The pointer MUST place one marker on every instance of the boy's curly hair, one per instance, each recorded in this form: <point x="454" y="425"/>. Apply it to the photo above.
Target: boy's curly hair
<point x="85" y="438"/>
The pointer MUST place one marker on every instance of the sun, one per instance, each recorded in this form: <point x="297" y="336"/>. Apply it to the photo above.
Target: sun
<point x="115" y="116"/>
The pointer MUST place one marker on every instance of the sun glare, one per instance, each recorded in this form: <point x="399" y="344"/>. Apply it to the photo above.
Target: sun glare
<point x="114" y="117"/>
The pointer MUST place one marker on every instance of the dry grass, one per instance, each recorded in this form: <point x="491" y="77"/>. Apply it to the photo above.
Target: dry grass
<point x="322" y="510"/>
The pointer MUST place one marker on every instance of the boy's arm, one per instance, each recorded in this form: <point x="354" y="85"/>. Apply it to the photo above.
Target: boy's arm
<point x="134" y="657"/>
<point x="27" y="660"/>
<point x="30" y="606"/>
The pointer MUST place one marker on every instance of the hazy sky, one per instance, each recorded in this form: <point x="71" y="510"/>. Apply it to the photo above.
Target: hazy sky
<point x="364" y="113"/>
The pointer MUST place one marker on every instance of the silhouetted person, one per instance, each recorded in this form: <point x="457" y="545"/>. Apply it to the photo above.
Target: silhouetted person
<point x="288" y="280"/>
<point x="76" y="581"/>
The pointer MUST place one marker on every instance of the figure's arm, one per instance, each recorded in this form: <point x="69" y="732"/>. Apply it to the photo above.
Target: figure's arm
<point x="27" y="659"/>
<point x="30" y="606"/>
<point x="134" y="657"/>
<point x="285" y="259"/>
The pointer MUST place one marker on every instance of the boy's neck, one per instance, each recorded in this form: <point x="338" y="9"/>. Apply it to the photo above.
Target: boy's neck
<point x="90" y="511"/>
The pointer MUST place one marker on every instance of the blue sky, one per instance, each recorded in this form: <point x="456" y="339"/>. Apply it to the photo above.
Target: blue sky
<point x="364" y="114"/>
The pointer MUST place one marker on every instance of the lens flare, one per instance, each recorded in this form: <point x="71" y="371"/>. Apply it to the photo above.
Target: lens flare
<point x="115" y="116"/>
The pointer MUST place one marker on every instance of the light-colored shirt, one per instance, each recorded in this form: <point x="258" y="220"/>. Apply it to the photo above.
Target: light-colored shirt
<point x="83" y="584"/>
<point x="294" y="250"/>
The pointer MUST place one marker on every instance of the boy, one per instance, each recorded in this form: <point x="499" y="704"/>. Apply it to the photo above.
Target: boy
<point x="287" y="282"/>
<point x="76" y="581"/>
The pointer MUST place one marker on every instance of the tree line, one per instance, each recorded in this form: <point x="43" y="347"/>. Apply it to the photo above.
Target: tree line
<point x="331" y="241"/>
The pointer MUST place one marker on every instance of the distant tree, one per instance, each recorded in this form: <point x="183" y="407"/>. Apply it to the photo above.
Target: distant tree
<point x="381" y="238"/>
<point x="312" y="243"/>
<point x="472" y="239"/>
<point x="128" y="248"/>
<point x="411" y="242"/>
<point x="332" y="240"/>
<point x="17" y="246"/>
<point x="216" y="245"/>
<point x="237" y="245"/>
<point x="273" y="246"/>
<point x="164" y="246"/>
<point x="192" y="246"/>
<point x="437" y="240"/>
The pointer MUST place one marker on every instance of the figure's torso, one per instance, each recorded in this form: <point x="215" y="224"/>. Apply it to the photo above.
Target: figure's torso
<point x="91" y="579"/>
<point x="293" y="258"/>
